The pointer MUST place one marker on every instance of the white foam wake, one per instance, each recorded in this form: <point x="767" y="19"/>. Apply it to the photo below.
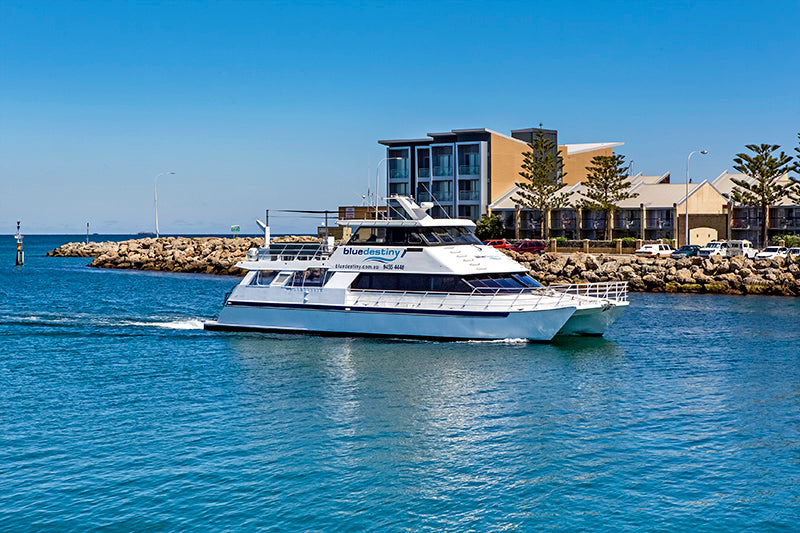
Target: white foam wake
<point x="182" y="323"/>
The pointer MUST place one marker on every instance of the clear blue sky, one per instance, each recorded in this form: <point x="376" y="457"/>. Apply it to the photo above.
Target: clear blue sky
<point x="280" y="105"/>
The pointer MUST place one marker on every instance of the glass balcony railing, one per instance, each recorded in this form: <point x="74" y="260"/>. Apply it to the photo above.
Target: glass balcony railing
<point x="658" y="224"/>
<point x="424" y="172"/>
<point x="443" y="196"/>
<point x="443" y="171"/>
<point x="468" y="196"/>
<point x="398" y="173"/>
<point x="423" y="196"/>
<point x="469" y="170"/>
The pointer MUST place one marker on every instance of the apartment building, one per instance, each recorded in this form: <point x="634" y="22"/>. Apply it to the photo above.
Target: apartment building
<point x="463" y="171"/>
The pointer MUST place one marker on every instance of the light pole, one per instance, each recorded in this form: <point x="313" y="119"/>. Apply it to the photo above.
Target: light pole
<point x="155" y="197"/>
<point x="378" y="181"/>
<point x="686" y="221"/>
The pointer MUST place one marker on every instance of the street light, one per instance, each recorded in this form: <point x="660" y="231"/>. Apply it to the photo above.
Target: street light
<point x="155" y="197"/>
<point x="704" y="152"/>
<point x="378" y="180"/>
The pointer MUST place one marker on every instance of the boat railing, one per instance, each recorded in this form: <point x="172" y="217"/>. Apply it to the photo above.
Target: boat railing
<point x="614" y="291"/>
<point x="291" y="251"/>
<point x="499" y="300"/>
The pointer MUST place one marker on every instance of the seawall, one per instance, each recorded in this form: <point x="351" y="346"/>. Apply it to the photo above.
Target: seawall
<point x="718" y="275"/>
<point x="200" y="255"/>
<point x="216" y="255"/>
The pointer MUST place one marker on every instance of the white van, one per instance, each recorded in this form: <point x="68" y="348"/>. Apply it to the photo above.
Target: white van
<point x="714" y="248"/>
<point x="742" y="247"/>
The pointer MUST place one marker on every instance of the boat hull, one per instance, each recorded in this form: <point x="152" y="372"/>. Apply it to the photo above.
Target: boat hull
<point x="535" y="325"/>
<point x="593" y="321"/>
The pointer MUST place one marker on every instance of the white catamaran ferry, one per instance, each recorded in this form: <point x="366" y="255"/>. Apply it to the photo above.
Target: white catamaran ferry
<point x="412" y="277"/>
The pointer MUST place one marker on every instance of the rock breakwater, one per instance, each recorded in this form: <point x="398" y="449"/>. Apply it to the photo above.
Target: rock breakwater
<point x="217" y="255"/>
<point x="736" y="275"/>
<point x="203" y="255"/>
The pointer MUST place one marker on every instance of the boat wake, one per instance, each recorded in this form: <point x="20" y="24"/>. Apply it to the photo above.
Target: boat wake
<point x="183" y="323"/>
<point x="498" y="341"/>
<point x="161" y="322"/>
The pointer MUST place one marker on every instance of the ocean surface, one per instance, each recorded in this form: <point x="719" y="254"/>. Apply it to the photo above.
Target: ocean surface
<point x="119" y="413"/>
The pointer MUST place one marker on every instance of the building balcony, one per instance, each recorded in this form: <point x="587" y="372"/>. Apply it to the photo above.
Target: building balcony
<point x="398" y="173"/>
<point x="469" y="170"/>
<point x="424" y="172"/>
<point x="658" y="224"/>
<point x="443" y="197"/>
<point x="784" y="223"/>
<point x="589" y="224"/>
<point x="469" y="196"/>
<point x="443" y="171"/>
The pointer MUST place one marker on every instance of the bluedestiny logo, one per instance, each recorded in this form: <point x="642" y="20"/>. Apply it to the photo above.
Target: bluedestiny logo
<point x="380" y="255"/>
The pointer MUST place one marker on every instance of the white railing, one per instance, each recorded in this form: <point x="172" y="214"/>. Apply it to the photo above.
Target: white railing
<point x="498" y="301"/>
<point x="291" y="252"/>
<point x="615" y="291"/>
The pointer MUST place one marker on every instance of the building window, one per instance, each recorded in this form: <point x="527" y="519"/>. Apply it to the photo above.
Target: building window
<point x="442" y="159"/>
<point x="468" y="190"/>
<point x="469" y="163"/>
<point x="423" y="163"/>
<point x="398" y="168"/>
<point x="442" y="211"/>
<point x="400" y="189"/>
<point x="423" y="194"/>
<point x="442" y="190"/>
<point x="468" y="211"/>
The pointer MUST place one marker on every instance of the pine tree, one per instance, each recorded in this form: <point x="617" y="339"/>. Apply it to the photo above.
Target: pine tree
<point x="607" y="185"/>
<point x="794" y="194"/>
<point x="542" y="173"/>
<point x="765" y="169"/>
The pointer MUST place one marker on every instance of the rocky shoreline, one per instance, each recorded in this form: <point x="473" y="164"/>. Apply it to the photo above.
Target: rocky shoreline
<point x="737" y="275"/>
<point x="216" y="255"/>
<point x="196" y="255"/>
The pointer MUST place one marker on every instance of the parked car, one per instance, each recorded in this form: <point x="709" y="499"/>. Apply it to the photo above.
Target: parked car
<point x="534" y="247"/>
<point x="655" y="250"/>
<point x="771" y="252"/>
<point x="794" y="252"/>
<point x="742" y="247"/>
<point x="687" y="250"/>
<point x="498" y="243"/>
<point x="714" y="248"/>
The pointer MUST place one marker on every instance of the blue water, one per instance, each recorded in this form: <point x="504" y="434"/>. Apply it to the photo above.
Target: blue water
<point x="119" y="413"/>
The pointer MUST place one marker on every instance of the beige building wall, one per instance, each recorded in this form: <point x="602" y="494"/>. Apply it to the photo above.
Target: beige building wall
<point x="505" y="164"/>
<point x="575" y="164"/>
<point x="705" y="200"/>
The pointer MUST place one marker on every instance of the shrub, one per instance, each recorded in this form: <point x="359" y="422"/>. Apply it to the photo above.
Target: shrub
<point x="489" y="227"/>
<point x="628" y="242"/>
<point x="561" y="240"/>
<point x="792" y="241"/>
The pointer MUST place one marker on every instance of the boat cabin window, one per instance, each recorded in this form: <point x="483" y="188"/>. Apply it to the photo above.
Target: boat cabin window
<point x="311" y="277"/>
<point x="281" y="278"/>
<point x="410" y="282"/>
<point x="414" y="236"/>
<point x="263" y="277"/>
<point x="484" y="283"/>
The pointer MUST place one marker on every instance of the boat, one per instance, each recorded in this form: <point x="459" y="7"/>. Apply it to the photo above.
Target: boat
<point x="409" y="276"/>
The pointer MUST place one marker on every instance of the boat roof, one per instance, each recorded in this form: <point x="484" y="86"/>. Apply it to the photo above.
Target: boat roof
<point x="417" y="217"/>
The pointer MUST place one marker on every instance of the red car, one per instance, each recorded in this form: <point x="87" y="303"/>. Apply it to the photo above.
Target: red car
<point x="534" y="247"/>
<point x="498" y="243"/>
